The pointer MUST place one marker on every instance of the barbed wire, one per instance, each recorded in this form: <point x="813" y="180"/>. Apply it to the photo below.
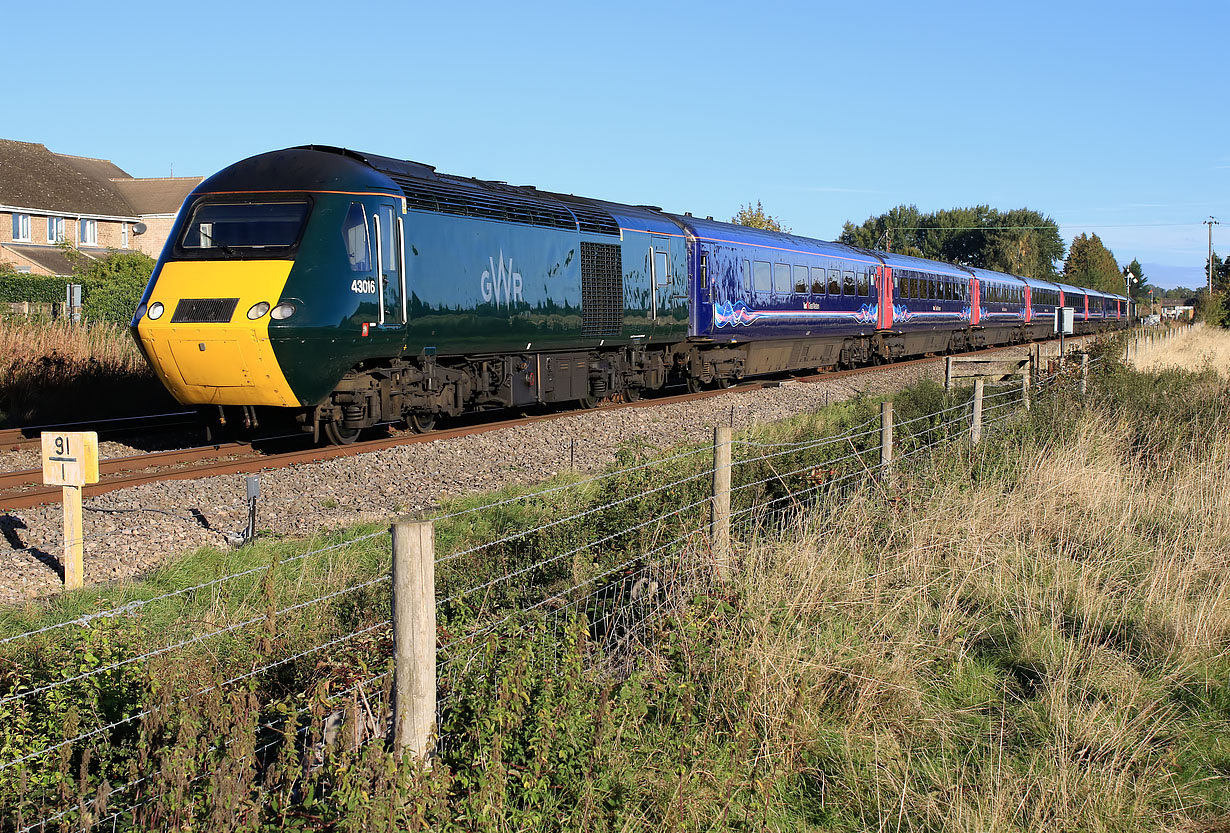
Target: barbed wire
<point x="704" y="449"/>
<point x="136" y="604"/>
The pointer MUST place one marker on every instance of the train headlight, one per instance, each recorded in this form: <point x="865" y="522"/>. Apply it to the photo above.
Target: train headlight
<point x="155" y="311"/>
<point x="140" y="313"/>
<point x="282" y="311"/>
<point x="258" y="310"/>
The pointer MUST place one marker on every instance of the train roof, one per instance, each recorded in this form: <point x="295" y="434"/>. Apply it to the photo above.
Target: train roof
<point x="297" y="169"/>
<point x="900" y="261"/>
<point x="732" y="233"/>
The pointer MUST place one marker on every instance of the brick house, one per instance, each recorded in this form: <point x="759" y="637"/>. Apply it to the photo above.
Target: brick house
<point x="48" y="197"/>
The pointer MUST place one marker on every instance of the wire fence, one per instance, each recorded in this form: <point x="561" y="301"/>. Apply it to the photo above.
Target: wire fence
<point x="280" y="649"/>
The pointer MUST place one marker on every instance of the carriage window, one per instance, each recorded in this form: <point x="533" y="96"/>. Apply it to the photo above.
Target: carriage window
<point x="817" y="281"/>
<point x="763" y="276"/>
<point x="800" y="279"/>
<point x="914" y="285"/>
<point x="862" y="283"/>
<point x="747" y="274"/>
<point x="834" y="282"/>
<point x="896" y="284"/>
<point x="781" y="278"/>
<point x="849" y="283"/>
<point x="354" y="232"/>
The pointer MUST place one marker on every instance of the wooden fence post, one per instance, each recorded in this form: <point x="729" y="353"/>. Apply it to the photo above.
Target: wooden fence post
<point x="975" y="428"/>
<point x="414" y="636"/>
<point x="886" y="436"/>
<point x="948" y="374"/>
<point x="720" y="524"/>
<point x="1084" y="374"/>
<point x="1025" y="387"/>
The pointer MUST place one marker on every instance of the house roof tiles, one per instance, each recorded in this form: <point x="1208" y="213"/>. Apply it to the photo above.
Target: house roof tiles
<point x="33" y="177"/>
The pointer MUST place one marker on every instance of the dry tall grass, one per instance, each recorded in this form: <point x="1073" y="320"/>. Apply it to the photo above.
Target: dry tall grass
<point x="1021" y="648"/>
<point x="1188" y="349"/>
<point x="56" y="371"/>
<point x="25" y="341"/>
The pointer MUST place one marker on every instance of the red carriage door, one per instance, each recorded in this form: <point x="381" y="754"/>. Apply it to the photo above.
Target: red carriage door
<point x="1029" y="310"/>
<point x="884" y="298"/>
<point x="974" y="302"/>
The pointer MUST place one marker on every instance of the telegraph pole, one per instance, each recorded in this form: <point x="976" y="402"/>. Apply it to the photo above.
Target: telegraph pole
<point x="1212" y="221"/>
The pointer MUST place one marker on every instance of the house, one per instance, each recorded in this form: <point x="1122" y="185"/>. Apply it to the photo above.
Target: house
<point x="47" y="198"/>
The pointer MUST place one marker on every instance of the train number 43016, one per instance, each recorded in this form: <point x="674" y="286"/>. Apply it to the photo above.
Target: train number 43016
<point x="363" y="287"/>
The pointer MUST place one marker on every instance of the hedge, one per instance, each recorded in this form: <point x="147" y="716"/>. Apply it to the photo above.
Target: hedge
<point x="16" y="287"/>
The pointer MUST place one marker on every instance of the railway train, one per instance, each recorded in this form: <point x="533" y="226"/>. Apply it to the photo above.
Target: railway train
<point x="347" y="290"/>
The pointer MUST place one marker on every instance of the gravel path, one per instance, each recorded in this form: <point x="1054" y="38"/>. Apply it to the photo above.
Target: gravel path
<point x="130" y="531"/>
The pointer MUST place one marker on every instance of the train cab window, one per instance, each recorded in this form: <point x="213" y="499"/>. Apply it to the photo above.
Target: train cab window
<point x="781" y="278"/>
<point x="862" y="283"/>
<point x="849" y="283"/>
<point x="817" y="281"/>
<point x="763" y="277"/>
<point x="747" y="274"/>
<point x="245" y="225"/>
<point x="354" y="233"/>
<point x="834" y="282"/>
<point x="800" y="279"/>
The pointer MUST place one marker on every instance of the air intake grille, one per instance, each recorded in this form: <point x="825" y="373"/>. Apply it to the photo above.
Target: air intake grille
<point x="204" y="310"/>
<point x="472" y="202"/>
<point x="591" y="220"/>
<point x="602" y="290"/>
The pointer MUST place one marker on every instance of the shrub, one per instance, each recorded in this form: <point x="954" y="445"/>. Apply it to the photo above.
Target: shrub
<point x="112" y="287"/>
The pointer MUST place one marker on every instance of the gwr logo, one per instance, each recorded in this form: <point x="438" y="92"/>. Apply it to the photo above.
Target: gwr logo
<point x="501" y="285"/>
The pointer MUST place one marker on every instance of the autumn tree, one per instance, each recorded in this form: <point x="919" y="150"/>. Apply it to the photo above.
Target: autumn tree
<point x="757" y="218"/>
<point x="1091" y="264"/>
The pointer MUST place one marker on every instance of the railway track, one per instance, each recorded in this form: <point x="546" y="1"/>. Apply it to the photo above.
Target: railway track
<point x="24" y="489"/>
<point x="21" y="439"/>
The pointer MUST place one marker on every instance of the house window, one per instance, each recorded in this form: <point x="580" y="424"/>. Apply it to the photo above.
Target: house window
<point x="55" y="229"/>
<point x="89" y="232"/>
<point x="21" y="227"/>
<point x="123" y="235"/>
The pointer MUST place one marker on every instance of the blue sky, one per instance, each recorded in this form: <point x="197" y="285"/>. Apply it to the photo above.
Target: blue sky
<point x="1110" y="118"/>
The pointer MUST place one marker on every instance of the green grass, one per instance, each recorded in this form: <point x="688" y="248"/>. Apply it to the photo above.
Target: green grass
<point x="1027" y="636"/>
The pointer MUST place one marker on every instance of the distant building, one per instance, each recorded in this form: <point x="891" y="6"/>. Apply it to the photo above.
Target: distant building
<point x="48" y="197"/>
<point x="1182" y="309"/>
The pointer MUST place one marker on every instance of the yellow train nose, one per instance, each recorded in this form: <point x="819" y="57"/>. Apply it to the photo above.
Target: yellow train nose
<point x="204" y="347"/>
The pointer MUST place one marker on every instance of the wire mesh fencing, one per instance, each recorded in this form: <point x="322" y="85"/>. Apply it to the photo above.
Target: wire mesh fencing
<point x="122" y="717"/>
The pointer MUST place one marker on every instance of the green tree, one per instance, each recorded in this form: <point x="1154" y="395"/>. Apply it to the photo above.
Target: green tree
<point x="1021" y="241"/>
<point x="1091" y="264"/>
<point x="1134" y="273"/>
<point x="757" y="218"/>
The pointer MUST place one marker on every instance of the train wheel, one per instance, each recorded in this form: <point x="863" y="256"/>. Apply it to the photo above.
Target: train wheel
<point x="695" y="385"/>
<point x="632" y="394"/>
<point x="337" y="435"/>
<point x="587" y="402"/>
<point x="421" y="423"/>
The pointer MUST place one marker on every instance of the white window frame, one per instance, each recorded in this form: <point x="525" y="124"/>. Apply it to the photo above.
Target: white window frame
<point x="123" y="235"/>
<point x="82" y="225"/>
<point x="21" y="228"/>
<point x="55" y="229"/>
